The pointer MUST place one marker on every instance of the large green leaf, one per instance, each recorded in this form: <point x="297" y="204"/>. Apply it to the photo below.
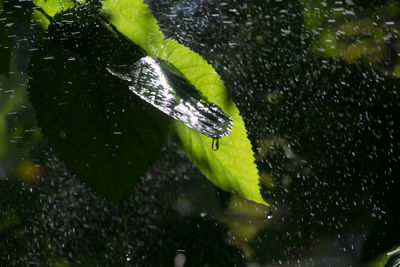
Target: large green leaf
<point x="136" y="21"/>
<point x="163" y="86"/>
<point x="104" y="134"/>
<point x="232" y="167"/>
<point x="346" y="31"/>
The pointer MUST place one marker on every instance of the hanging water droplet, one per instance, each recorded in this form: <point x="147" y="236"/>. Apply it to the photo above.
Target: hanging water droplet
<point x="203" y="214"/>
<point x="215" y="144"/>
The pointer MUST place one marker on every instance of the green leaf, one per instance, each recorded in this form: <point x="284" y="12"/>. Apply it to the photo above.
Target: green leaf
<point x="104" y="134"/>
<point x="136" y="21"/>
<point x="163" y="86"/>
<point x="41" y="20"/>
<point x="52" y="7"/>
<point x="232" y="167"/>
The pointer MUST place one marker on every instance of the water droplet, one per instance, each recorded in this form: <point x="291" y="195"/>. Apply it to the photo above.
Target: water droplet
<point x="203" y="214"/>
<point x="215" y="144"/>
<point x="270" y="215"/>
<point x="180" y="260"/>
<point x="128" y="256"/>
<point x="162" y="85"/>
<point x="63" y="134"/>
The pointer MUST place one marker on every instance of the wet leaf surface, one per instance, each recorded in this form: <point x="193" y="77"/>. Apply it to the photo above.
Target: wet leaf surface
<point x="232" y="167"/>
<point x="163" y="86"/>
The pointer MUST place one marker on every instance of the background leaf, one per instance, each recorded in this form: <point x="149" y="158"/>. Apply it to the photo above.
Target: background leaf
<point x="232" y="168"/>
<point x="104" y="134"/>
<point x="52" y="7"/>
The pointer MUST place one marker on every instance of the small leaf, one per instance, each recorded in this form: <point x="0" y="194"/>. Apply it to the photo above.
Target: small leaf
<point x="52" y="7"/>
<point x="232" y="168"/>
<point x="163" y="86"/>
<point x="41" y="20"/>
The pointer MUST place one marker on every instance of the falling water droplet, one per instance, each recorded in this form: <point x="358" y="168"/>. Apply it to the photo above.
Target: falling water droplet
<point x="270" y="215"/>
<point x="215" y="144"/>
<point x="128" y="256"/>
<point x="180" y="260"/>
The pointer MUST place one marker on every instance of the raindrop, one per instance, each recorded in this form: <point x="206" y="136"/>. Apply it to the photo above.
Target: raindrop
<point x="215" y="144"/>
<point x="63" y="134"/>
<point x="179" y="260"/>
<point x="128" y="256"/>
<point x="270" y="215"/>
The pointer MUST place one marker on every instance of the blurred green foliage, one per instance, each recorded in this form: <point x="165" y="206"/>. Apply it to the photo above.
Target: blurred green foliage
<point x="345" y="31"/>
<point x="18" y="132"/>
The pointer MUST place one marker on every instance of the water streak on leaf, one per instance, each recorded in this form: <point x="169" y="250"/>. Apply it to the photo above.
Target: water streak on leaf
<point x="232" y="168"/>
<point x="163" y="86"/>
